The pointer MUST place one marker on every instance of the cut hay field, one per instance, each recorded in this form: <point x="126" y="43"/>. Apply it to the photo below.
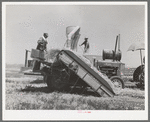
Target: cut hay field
<point x="30" y="93"/>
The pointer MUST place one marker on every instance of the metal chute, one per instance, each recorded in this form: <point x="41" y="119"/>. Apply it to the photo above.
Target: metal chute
<point x="72" y="34"/>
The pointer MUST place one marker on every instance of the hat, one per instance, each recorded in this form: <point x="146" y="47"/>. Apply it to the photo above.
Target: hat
<point x="45" y="34"/>
<point x="85" y="38"/>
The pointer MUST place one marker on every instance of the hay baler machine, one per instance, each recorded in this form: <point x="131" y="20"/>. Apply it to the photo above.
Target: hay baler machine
<point x="111" y="65"/>
<point x="70" y="69"/>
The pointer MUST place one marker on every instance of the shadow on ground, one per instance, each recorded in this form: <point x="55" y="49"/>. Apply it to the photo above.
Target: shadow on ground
<point x="45" y="89"/>
<point x="37" y="81"/>
<point x="36" y="89"/>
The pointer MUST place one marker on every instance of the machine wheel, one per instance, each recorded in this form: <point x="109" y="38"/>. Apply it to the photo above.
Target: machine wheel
<point x="118" y="82"/>
<point x="60" y="80"/>
<point x="136" y="74"/>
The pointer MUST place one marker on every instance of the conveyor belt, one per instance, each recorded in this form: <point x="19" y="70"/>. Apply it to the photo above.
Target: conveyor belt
<point x="95" y="79"/>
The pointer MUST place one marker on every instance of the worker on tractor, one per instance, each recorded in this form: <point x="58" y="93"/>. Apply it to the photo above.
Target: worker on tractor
<point x="86" y="45"/>
<point x="42" y="46"/>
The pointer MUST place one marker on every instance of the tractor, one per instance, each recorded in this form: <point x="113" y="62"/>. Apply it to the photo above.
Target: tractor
<point x="111" y="64"/>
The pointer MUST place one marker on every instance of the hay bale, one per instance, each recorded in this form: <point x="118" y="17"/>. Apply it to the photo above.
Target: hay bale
<point x="51" y="54"/>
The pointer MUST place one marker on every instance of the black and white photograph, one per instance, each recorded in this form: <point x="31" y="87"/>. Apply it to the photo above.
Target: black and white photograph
<point x="74" y="61"/>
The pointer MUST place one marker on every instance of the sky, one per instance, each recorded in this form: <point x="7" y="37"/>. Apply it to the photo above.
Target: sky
<point x="25" y="24"/>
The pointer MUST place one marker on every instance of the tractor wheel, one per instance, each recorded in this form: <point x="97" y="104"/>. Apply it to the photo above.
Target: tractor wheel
<point x="138" y="77"/>
<point x="136" y="74"/>
<point x="118" y="82"/>
<point x="60" y="81"/>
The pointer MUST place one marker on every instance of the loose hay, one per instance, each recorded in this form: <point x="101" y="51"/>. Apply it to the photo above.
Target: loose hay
<point x="51" y="54"/>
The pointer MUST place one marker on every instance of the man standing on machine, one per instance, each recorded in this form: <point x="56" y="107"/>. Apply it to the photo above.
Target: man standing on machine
<point x="42" y="46"/>
<point x="86" y="45"/>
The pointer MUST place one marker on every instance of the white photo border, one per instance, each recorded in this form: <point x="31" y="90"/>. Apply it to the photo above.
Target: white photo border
<point x="73" y="114"/>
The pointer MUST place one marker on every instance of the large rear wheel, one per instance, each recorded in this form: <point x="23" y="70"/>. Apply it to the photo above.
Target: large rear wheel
<point x="138" y="76"/>
<point x="137" y="73"/>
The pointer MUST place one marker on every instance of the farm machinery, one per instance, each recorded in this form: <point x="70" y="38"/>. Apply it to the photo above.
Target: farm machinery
<point x="70" y="69"/>
<point x="111" y="65"/>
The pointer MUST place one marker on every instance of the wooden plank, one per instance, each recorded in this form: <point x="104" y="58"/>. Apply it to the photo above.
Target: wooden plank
<point x="32" y="73"/>
<point x="37" y="54"/>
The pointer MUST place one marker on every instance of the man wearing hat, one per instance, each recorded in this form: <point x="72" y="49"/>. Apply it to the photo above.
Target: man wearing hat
<point x="42" y="42"/>
<point x="42" y="46"/>
<point x="86" y="45"/>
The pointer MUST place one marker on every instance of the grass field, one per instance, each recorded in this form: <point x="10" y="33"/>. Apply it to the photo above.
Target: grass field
<point x="30" y="93"/>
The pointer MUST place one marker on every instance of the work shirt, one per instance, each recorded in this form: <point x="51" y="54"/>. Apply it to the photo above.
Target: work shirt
<point x="42" y="42"/>
<point x="86" y="46"/>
